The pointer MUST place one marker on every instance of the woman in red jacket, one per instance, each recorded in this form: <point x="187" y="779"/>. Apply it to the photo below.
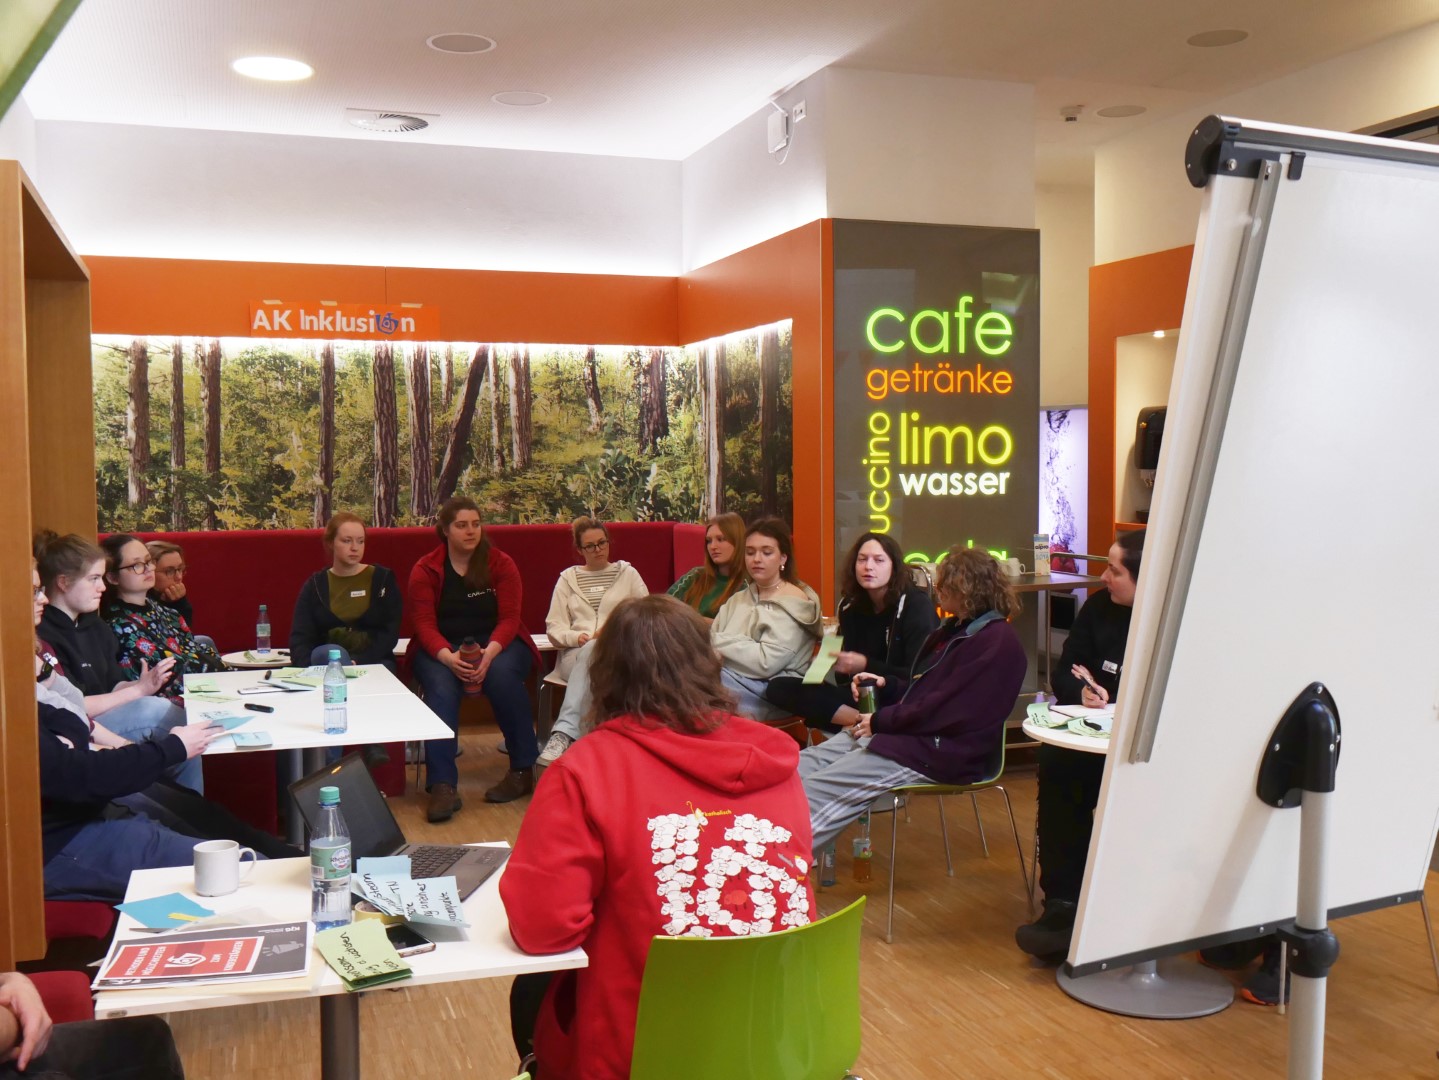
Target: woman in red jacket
<point x="466" y="588"/>
<point x="672" y="816"/>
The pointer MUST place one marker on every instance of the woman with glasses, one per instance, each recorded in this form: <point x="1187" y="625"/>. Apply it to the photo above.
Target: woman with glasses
<point x="169" y="588"/>
<point x="148" y="631"/>
<point x="584" y="597"/>
<point x="75" y="641"/>
<point x="353" y="604"/>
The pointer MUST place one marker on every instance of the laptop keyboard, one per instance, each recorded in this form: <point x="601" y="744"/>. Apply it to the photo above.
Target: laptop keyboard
<point x="429" y="860"/>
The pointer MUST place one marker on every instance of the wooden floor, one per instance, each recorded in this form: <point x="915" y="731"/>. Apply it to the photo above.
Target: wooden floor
<point x="952" y="997"/>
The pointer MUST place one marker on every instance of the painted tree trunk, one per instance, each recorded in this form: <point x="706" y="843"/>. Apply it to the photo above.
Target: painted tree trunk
<point x="590" y="377"/>
<point x="178" y="520"/>
<point x="769" y="421"/>
<point x="449" y="385"/>
<point x="497" y="424"/>
<point x="207" y="358"/>
<point x="654" y="406"/>
<point x="458" y="444"/>
<point x="713" y="427"/>
<point x="422" y="465"/>
<point x="387" y="471"/>
<point x="327" y="435"/>
<point x="521" y="434"/>
<point x="137" y="425"/>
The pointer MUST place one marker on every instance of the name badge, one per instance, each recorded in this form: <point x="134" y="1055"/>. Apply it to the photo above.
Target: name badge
<point x="356" y="594"/>
<point x="1110" y="667"/>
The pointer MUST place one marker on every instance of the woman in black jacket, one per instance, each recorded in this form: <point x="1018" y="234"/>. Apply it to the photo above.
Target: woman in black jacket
<point x="884" y="618"/>
<point x="352" y="604"/>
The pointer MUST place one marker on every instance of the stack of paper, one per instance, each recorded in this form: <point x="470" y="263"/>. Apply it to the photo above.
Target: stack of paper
<point x="274" y="951"/>
<point x="386" y="883"/>
<point x="361" y="955"/>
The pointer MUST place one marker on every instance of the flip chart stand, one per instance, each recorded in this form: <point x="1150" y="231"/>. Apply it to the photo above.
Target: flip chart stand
<point x="1298" y="769"/>
<point x="1175" y="988"/>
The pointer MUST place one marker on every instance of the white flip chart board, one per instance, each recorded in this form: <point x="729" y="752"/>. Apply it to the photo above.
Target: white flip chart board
<point x="1289" y="542"/>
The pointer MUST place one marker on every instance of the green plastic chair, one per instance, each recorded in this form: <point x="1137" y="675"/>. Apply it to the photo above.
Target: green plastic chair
<point x="994" y="772"/>
<point x="774" y="1005"/>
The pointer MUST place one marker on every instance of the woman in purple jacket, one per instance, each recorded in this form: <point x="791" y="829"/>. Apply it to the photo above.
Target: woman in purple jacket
<point x="944" y="729"/>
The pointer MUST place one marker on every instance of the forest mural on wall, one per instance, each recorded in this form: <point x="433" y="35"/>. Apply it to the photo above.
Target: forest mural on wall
<point x="243" y="433"/>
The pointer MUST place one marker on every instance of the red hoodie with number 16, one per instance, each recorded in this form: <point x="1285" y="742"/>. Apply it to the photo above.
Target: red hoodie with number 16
<point x="640" y="830"/>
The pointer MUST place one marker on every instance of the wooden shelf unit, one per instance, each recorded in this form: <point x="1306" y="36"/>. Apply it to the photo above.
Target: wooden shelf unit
<point x="47" y="477"/>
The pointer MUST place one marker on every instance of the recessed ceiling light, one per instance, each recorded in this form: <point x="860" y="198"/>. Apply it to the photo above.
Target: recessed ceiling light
<point x="1115" y="112"/>
<point x="1213" y="39"/>
<point x="460" y="43"/>
<point x="520" y="98"/>
<point x="273" y="68"/>
<point x="1159" y="333"/>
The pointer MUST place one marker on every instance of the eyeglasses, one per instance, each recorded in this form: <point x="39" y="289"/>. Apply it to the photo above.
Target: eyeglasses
<point x="140" y="567"/>
<point x="598" y="545"/>
<point x="39" y="594"/>
<point x="173" y="571"/>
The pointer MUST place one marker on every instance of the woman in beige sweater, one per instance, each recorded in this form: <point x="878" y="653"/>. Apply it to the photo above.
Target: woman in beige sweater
<point x="769" y="628"/>
<point x="585" y="595"/>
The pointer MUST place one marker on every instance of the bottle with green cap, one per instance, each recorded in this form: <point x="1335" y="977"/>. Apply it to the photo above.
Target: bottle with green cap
<point x="330" y="864"/>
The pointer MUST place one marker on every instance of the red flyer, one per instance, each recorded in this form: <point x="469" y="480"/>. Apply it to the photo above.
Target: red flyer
<point x="275" y="951"/>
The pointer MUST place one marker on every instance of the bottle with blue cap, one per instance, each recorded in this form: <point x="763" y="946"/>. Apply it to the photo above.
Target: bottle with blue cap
<point x="336" y="695"/>
<point x="330" y="864"/>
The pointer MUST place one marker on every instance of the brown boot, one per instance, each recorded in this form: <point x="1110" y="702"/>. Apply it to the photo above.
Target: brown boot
<point x="517" y="783"/>
<point x="444" y="801"/>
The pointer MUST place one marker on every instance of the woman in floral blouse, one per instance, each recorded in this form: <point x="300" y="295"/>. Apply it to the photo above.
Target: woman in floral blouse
<point x="147" y="630"/>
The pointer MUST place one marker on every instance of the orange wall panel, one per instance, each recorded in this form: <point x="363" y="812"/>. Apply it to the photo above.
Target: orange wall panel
<point x="788" y="277"/>
<point x="212" y="299"/>
<point x="1132" y="296"/>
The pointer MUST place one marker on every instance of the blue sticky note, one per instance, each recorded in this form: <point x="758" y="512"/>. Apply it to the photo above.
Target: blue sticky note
<point x="385" y="866"/>
<point x="251" y="740"/>
<point x="164" y="912"/>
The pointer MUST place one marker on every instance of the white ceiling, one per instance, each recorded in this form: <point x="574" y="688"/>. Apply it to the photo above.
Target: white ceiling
<point x="661" y="78"/>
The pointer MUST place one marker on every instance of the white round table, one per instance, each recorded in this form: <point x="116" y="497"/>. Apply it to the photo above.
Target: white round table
<point x="1175" y="988"/>
<point x="277" y="658"/>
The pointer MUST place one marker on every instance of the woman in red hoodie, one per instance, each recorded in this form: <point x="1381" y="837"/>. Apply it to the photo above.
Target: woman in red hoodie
<point x="672" y="817"/>
<point x="466" y="588"/>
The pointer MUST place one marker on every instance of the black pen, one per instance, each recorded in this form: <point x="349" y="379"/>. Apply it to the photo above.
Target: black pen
<point x="259" y="708"/>
<point x="268" y="673"/>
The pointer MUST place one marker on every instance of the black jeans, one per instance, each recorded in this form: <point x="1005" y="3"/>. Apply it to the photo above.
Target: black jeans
<point x="136" y="1048"/>
<point x="1068" y="793"/>
<point x="816" y="704"/>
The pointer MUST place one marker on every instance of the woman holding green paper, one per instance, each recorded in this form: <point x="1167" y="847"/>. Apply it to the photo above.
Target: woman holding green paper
<point x="884" y="618"/>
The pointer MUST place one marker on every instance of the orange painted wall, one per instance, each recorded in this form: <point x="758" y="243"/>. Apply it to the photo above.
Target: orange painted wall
<point x="1132" y="296"/>
<point x="195" y="297"/>
<point x="790" y="276"/>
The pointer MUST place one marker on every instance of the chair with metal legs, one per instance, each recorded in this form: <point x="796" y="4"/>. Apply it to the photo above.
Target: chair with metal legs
<point x="993" y="774"/>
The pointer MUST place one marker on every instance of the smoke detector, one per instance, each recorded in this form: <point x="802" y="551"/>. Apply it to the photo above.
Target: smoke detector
<point x="396" y="123"/>
<point x="1071" y="113"/>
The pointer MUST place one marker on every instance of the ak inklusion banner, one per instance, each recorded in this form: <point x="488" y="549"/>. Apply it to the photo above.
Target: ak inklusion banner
<point x="936" y="332"/>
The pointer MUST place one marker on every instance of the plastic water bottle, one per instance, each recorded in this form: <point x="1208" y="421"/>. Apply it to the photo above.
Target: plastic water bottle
<point x="826" y="865"/>
<point x="330" y="864"/>
<point x="262" y="631"/>
<point x="863" y="852"/>
<point x="336" y="693"/>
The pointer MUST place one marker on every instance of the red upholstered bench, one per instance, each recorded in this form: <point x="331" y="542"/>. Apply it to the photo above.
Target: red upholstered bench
<point x="66" y="995"/>
<point x="232" y="572"/>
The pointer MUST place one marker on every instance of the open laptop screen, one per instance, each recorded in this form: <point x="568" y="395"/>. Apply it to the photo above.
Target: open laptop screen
<point x="373" y="829"/>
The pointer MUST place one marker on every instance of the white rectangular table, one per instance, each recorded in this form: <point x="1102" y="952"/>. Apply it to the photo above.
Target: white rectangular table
<point x="281" y="888"/>
<point x="381" y="710"/>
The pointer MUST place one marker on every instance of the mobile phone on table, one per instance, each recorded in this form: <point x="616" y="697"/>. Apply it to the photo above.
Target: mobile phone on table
<point x="407" y="940"/>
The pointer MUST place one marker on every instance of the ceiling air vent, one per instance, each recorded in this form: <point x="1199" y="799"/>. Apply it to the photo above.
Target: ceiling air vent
<point x="393" y="122"/>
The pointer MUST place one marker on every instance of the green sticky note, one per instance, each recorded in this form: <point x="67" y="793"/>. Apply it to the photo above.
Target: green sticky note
<point x="208" y="698"/>
<point x="361" y="954"/>
<point x="354" y="672"/>
<point x="202" y="686"/>
<point x="829" y="650"/>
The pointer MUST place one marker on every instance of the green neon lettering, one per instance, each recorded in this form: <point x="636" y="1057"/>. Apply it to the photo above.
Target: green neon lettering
<point x="883" y="313"/>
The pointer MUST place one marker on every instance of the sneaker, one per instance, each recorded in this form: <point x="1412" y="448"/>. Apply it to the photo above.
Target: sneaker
<point x="444" y="801"/>
<point x="375" y="755"/>
<point x="1048" y="936"/>
<point x="556" y="745"/>
<point x="1262" y="988"/>
<point x="516" y="784"/>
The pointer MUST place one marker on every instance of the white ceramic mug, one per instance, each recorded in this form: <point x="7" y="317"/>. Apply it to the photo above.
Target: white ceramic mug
<point x="217" y="866"/>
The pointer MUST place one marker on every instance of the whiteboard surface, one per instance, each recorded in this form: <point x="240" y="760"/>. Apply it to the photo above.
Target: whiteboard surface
<point x="1312" y="566"/>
